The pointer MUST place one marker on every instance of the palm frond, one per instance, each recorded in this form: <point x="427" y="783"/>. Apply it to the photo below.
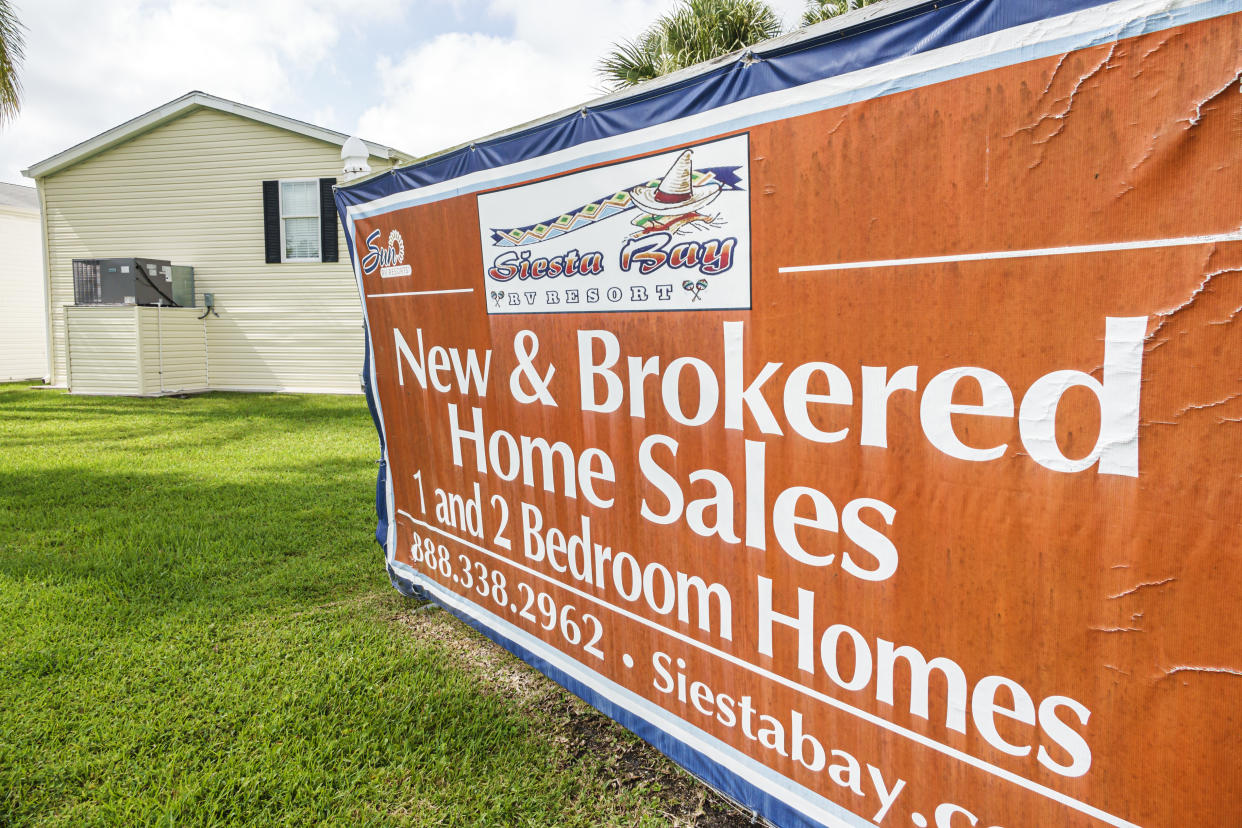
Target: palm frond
<point x="12" y="52"/>
<point x="695" y="31"/>
<point x="628" y="64"/>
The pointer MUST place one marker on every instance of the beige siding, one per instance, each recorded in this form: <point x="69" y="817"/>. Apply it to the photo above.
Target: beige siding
<point x="136" y="351"/>
<point x="23" y="314"/>
<point x="103" y="345"/>
<point x="190" y="192"/>
<point x="174" y="350"/>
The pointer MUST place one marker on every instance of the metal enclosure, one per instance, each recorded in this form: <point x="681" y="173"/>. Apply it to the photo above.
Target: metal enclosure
<point x="183" y="285"/>
<point x="123" y="281"/>
<point x="86" y="288"/>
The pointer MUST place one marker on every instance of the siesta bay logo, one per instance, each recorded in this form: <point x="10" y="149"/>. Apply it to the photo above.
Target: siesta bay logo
<point x="685" y="246"/>
<point x="389" y="259"/>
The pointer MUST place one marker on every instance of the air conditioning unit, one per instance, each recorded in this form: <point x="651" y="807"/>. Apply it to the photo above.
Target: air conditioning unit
<point x="132" y="281"/>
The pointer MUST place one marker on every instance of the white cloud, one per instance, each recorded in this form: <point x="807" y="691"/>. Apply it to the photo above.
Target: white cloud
<point x="581" y="31"/>
<point x="462" y="86"/>
<point x="588" y="27"/>
<point x="91" y="66"/>
<point x="465" y="68"/>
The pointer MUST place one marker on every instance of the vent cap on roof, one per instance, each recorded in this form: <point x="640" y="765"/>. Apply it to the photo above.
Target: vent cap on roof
<point x="354" y="155"/>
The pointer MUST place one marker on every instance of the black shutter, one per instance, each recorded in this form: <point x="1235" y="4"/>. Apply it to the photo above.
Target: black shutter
<point x="271" y="222"/>
<point x="327" y="221"/>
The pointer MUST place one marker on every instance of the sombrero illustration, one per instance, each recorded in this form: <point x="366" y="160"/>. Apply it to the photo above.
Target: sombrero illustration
<point x="676" y="194"/>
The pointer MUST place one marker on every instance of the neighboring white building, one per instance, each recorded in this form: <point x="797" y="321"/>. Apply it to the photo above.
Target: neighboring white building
<point x="23" y="301"/>
<point x="244" y="197"/>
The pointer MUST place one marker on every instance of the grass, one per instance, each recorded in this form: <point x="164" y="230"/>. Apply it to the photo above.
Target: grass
<point x="196" y="629"/>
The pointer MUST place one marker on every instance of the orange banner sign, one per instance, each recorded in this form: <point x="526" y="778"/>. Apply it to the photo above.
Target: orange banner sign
<point x="869" y="445"/>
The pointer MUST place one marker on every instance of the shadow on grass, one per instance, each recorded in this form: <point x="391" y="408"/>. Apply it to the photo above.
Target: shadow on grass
<point x="290" y="408"/>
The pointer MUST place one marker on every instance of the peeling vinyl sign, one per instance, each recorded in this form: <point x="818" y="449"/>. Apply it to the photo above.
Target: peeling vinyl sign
<point x="858" y="421"/>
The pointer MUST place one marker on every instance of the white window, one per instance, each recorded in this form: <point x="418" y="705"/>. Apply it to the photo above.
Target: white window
<point x="299" y="220"/>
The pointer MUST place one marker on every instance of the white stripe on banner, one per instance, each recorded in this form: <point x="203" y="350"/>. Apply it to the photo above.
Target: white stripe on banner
<point x="669" y="721"/>
<point x="420" y="293"/>
<point x="1183" y="241"/>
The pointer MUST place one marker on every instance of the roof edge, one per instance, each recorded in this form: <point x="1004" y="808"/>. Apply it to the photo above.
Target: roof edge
<point x="181" y="106"/>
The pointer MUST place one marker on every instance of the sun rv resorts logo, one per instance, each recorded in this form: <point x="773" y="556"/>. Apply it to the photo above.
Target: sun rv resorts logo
<point x="686" y="246"/>
<point x="390" y="259"/>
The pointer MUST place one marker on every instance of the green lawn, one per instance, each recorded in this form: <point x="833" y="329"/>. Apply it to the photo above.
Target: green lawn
<point x="196" y="629"/>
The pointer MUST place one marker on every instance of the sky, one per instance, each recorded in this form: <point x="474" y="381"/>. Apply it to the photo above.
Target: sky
<point x="417" y="75"/>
